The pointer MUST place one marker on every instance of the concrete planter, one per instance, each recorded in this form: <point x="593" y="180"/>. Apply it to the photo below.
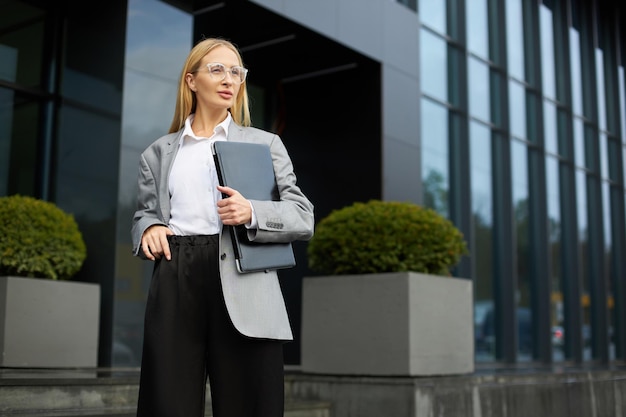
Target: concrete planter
<point x="47" y="323"/>
<point x="387" y="324"/>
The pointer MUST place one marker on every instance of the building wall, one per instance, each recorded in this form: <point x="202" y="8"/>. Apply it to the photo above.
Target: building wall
<point x="387" y="32"/>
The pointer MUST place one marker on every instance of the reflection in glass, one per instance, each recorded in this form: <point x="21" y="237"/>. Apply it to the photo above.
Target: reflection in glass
<point x="604" y="157"/>
<point x="608" y="246"/>
<point x="19" y="140"/>
<point x="433" y="14"/>
<point x="435" y="174"/>
<point x="547" y="52"/>
<point x="515" y="38"/>
<point x="550" y="131"/>
<point x="579" y="143"/>
<point x="478" y="84"/>
<point x="434" y="65"/>
<point x="576" y="74"/>
<point x="624" y="159"/>
<point x="554" y="240"/>
<point x="8" y="63"/>
<point x="519" y="181"/>
<point x="477" y="27"/>
<point x="6" y="127"/>
<point x="583" y="251"/>
<point x="411" y="4"/>
<point x="517" y="109"/>
<point x="481" y="247"/>
<point x="622" y="101"/>
<point x="22" y="35"/>
<point x="158" y="39"/>
<point x="600" y="89"/>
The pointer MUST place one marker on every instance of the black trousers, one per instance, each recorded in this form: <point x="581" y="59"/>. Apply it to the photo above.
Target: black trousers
<point x="188" y="336"/>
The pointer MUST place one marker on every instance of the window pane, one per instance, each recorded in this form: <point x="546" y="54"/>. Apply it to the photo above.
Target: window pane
<point x="624" y="159"/>
<point x="604" y="156"/>
<point x="554" y="236"/>
<point x="21" y="43"/>
<point x="515" y="38"/>
<point x="434" y="65"/>
<point x="433" y="14"/>
<point x="477" y="27"/>
<point x="482" y="224"/>
<point x="411" y="4"/>
<point x="547" y="51"/>
<point x="517" y="109"/>
<point x="158" y="38"/>
<point x="608" y="244"/>
<point x="18" y="143"/>
<point x="519" y="181"/>
<point x="581" y="199"/>
<point x="622" y="102"/>
<point x="575" y="68"/>
<point x="6" y="127"/>
<point x="435" y="156"/>
<point x="478" y="82"/>
<point x="600" y="87"/>
<point x="579" y="143"/>
<point x="550" y="127"/>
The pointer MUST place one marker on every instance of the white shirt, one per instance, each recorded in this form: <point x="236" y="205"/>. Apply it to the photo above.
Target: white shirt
<point x="193" y="183"/>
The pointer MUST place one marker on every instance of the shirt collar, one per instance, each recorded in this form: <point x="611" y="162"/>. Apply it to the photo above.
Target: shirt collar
<point x="187" y="131"/>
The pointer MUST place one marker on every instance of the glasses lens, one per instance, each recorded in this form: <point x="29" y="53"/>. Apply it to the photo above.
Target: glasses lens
<point x="238" y="73"/>
<point x="218" y="72"/>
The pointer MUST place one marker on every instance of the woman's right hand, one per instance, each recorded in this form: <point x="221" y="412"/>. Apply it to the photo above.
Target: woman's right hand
<point x="154" y="242"/>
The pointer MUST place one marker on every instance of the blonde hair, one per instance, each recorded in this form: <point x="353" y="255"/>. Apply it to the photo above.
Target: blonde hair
<point x="186" y="99"/>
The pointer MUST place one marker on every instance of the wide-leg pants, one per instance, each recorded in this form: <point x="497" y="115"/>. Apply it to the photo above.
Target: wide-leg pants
<point x="188" y="336"/>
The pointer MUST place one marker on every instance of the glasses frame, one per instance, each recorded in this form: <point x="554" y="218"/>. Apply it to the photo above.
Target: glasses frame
<point x="243" y="70"/>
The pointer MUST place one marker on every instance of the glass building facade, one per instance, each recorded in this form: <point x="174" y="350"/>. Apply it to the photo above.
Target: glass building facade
<point x="507" y="116"/>
<point x="523" y="105"/>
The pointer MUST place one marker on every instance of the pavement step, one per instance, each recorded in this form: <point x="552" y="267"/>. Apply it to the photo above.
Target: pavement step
<point x="99" y="397"/>
<point x="292" y="409"/>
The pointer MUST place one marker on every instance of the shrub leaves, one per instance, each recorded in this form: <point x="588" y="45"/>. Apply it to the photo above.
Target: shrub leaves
<point x="385" y="236"/>
<point x="38" y="239"/>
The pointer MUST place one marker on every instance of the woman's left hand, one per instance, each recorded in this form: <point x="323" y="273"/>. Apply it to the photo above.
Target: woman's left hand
<point x="234" y="209"/>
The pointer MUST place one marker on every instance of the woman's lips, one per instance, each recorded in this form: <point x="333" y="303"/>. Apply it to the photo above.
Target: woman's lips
<point x="225" y="94"/>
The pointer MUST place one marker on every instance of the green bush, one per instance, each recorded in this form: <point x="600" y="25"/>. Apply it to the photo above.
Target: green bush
<point x="384" y="236"/>
<point x="38" y="239"/>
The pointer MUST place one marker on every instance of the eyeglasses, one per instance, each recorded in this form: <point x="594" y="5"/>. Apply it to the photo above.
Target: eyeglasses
<point x="218" y="72"/>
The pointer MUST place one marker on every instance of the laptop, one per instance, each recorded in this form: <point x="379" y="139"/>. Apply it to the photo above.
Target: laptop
<point x="248" y="168"/>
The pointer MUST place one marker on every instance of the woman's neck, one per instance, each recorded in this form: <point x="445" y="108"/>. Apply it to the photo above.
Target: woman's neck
<point x="204" y="122"/>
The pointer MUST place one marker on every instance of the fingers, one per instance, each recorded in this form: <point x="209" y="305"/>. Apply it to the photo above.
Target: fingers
<point x="234" y="209"/>
<point x="154" y="242"/>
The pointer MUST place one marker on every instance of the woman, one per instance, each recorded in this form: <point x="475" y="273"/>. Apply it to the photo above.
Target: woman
<point x="203" y="318"/>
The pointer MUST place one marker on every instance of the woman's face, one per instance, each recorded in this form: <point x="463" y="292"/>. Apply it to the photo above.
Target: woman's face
<point x="211" y="92"/>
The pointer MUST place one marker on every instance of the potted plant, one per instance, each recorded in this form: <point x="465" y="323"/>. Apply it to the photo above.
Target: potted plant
<point x="386" y="303"/>
<point x="46" y="320"/>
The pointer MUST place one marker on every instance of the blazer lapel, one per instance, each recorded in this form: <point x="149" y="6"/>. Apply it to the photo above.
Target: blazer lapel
<point x="235" y="133"/>
<point x="169" y="153"/>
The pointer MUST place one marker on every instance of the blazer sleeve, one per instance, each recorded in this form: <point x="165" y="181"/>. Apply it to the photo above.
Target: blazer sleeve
<point x="291" y="218"/>
<point x="147" y="213"/>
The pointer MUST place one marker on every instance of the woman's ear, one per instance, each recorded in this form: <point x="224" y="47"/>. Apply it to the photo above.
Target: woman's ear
<point x="191" y="81"/>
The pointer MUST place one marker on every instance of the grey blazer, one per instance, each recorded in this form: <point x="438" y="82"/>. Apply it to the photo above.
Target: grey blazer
<point x="254" y="300"/>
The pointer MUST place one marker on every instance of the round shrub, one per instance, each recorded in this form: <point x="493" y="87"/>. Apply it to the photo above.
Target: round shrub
<point x="385" y="236"/>
<point x="38" y="239"/>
